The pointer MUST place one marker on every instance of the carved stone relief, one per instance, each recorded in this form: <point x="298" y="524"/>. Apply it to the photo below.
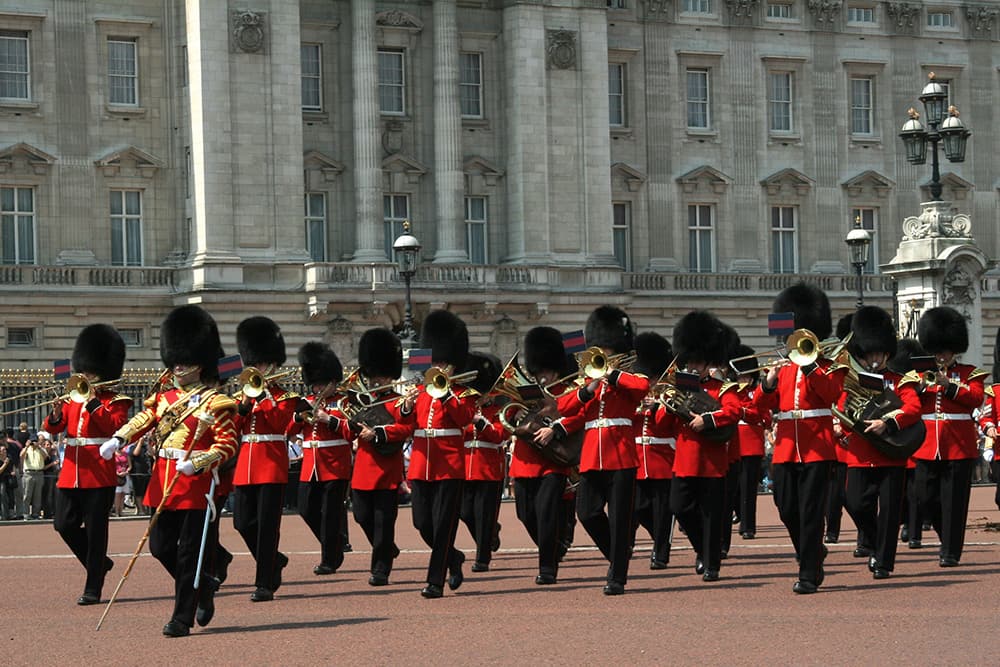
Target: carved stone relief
<point x="248" y="31"/>
<point x="561" y="49"/>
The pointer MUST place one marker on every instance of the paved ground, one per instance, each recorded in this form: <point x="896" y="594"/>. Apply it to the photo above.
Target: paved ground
<point x="922" y="615"/>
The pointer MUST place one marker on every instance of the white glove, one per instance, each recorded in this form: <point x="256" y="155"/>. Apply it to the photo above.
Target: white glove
<point x="109" y="448"/>
<point x="186" y="467"/>
<point x="987" y="455"/>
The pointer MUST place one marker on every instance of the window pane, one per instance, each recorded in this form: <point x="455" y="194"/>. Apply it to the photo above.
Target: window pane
<point x="6" y="199"/>
<point x="133" y="228"/>
<point x="117" y="242"/>
<point x="132" y="202"/>
<point x="317" y="249"/>
<point x="477" y="242"/>
<point x="9" y="240"/>
<point x="25" y="200"/>
<point x="705" y="245"/>
<point x="116" y="203"/>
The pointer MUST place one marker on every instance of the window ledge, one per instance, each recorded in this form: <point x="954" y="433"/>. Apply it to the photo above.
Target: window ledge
<point x="775" y="139"/>
<point x="702" y="136"/>
<point x="475" y="123"/>
<point x="860" y="140"/>
<point x="623" y="132"/>
<point x="14" y="106"/>
<point x="320" y="117"/>
<point x="124" y="111"/>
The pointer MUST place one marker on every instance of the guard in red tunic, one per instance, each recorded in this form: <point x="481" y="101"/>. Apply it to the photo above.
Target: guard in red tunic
<point x="608" y="461"/>
<point x="86" y="486"/>
<point x="800" y="398"/>
<point x="835" y="496"/>
<point x="990" y="417"/>
<point x="484" y="463"/>
<point x="194" y="434"/>
<point x="946" y="460"/>
<point x="326" y="454"/>
<point x="437" y="460"/>
<point x="704" y="346"/>
<point x="262" y="467"/>
<point x="655" y="445"/>
<point x="750" y="444"/>
<point x="912" y="531"/>
<point x="875" y="481"/>
<point x="378" y="464"/>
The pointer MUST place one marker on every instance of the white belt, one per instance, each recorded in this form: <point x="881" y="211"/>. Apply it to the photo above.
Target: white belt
<point x="436" y="432"/>
<point x="263" y="437"/>
<point x="803" y="414"/>
<point x="319" y="444"/>
<point x="948" y="416"/>
<point x="649" y="440"/>
<point x="83" y="442"/>
<point x="604" y="423"/>
<point x="171" y="453"/>
<point x="481" y="444"/>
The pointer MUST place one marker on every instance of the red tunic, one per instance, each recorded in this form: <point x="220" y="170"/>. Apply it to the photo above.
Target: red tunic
<point x="527" y="462"/>
<point x="326" y="448"/>
<point x="83" y="467"/>
<point x="862" y="454"/>
<point x="801" y="405"/>
<point x="991" y="408"/>
<point x="438" y="443"/>
<point x="189" y="492"/>
<point x="655" y="443"/>
<point x="698" y="456"/>
<point x="373" y="470"/>
<point x="609" y="438"/>
<point x="752" y="424"/>
<point x="263" y="457"/>
<point x="484" y="453"/>
<point x="947" y="414"/>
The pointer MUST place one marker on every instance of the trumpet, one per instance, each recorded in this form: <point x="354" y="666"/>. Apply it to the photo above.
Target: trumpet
<point x="595" y="364"/>
<point x="930" y="377"/>
<point x="438" y="380"/>
<point x="78" y="389"/>
<point x="253" y="382"/>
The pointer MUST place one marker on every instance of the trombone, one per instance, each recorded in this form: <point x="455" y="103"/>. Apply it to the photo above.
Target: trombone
<point x="253" y="382"/>
<point x="595" y="364"/>
<point x="801" y="348"/>
<point x="78" y="389"/>
<point x="438" y="380"/>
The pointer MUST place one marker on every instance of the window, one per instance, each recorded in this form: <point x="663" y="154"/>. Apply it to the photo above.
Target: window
<point x="131" y="336"/>
<point x="470" y="84"/>
<point x="395" y="209"/>
<point x="860" y="14"/>
<point x="780" y="101"/>
<point x="188" y="172"/>
<point x="123" y="72"/>
<point x="391" y="86"/>
<point x="698" y="116"/>
<point x="20" y="337"/>
<point x="779" y="10"/>
<point x="616" y="94"/>
<point x="869" y="221"/>
<point x="616" y="4"/>
<point x="940" y="20"/>
<point x="783" y="251"/>
<point x="15" y="72"/>
<point x="862" y="105"/>
<point x="126" y="228"/>
<point x="475" y="225"/>
<point x="316" y="226"/>
<point x="701" y="255"/>
<point x="697" y="6"/>
<point x="17" y="225"/>
<point x="312" y="77"/>
<point x="621" y="234"/>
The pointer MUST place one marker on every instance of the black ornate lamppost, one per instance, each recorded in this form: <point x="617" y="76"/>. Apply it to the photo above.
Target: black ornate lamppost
<point x="406" y="247"/>
<point x="859" y="243"/>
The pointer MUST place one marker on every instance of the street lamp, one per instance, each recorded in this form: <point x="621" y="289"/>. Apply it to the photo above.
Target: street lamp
<point x="949" y="130"/>
<point x="406" y="247"/>
<point x="859" y="243"/>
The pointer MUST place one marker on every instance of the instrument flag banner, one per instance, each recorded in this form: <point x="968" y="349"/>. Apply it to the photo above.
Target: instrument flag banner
<point x="62" y="369"/>
<point x="873" y="381"/>
<point x="574" y="341"/>
<point x="687" y="381"/>
<point x="530" y="392"/>
<point x="780" y="324"/>
<point x="420" y="360"/>
<point x="230" y="366"/>
<point x="923" y="364"/>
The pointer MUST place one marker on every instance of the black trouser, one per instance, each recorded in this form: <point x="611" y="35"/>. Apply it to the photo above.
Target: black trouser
<point x="730" y="505"/>
<point x="698" y="504"/>
<point x="835" y="499"/>
<point x="874" y="499"/>
<point x="539" y="504"/>
<point x="913" y="517"/>
<point x="435" y="508"/>
<point x="749" y="484"/>
<point x="257" y="518"/>
<point x="376" y="512"/>
<point x="81" y="519"/>
<point x="995" y="469"/>
<point x="800" y="491"/>
<point x="174" y="540"/>
<point x="49" y="494"/>
<point x="321" y="504"/>
<point x="8" y="499"/>
<point x="651" y="510"/>
<point x="480" y="510"/>
<point x="611" y="531"/>
<point x="140" y="482"/>
<point x="951" y="483"/>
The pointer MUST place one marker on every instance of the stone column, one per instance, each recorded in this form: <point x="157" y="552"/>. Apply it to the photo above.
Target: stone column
<point x="448" y="177"/>
<point x="369" y="229"/>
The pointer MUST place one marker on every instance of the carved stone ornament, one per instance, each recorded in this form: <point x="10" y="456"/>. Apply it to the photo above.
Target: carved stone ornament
<point x="658" y="8"/>
<point x="395" y="18"/>
<point x="982" y="19"/>
<point x="741" y="8"/>
<point x="959" y="287"/>
<point x="561" y="49"/>
<point x="903" y="13"/>
<point x="248" y="31"/>
<point x="825" y="11"/>
<point x="938" y="220"/>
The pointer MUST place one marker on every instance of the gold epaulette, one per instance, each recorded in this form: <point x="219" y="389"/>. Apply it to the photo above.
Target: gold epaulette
<point x="911" y="377"/>
<point x="467" y="392"/>
<point x="989" y="391"/>
<point x="978" y="372"/>
<point x="120" y="397"/>
<point x="222" y="403"/>
<point x="727" y="386"/>
<point x="835" y="366"/>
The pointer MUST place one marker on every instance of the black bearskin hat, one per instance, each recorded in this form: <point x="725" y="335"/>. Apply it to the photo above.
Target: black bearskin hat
<point x="447" y="337"/>
<point x="189" y="336"/>
<point x="487" y="367"/>
<point x="380" y="354"/>
<point x="609" y="327"/>
<point x="810" y="306"/>
<point x="843" y="326"/>
<point x="544" y="351"/>
<point x="701" y="336"/>
<point x="100" y="350"/>
<point x="320" y="364"/>
<point x="906" y="349"/>
<point x="653" y="354"/>
<point x="943" y="328"/>
<point x="872" y="332"/>
<point x="260" y="342"/>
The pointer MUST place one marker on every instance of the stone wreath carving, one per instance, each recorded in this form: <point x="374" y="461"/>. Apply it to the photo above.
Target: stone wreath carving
<point x="561" y="49"/>
<point x="903" y="13"/>
<point x="982" y="19"/>
<point x="936" y="222"/>
<point x="740" y="8"/>
<point x="248" y="31"/>
<point x="825" y="11"/>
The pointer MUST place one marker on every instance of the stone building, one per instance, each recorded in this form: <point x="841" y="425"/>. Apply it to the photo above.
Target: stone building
<point x="260" y="157"/>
